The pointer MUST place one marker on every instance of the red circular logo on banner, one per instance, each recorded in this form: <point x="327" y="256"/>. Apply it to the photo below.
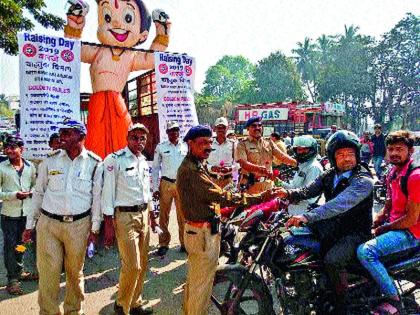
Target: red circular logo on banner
<point x="29" y="50"/>
<point x="67" y="55"/>
<point x="163" y="68"/>
<point x="188" y="71"/>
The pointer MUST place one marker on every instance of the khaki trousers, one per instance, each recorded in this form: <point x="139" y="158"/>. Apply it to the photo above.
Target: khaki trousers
<point x="58" y="241"/>
<point x="132" y="233"/>
<point x="168" y="193"/>
<point x="203" y="253"/>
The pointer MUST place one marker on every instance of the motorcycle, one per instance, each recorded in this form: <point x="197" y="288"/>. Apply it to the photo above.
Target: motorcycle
<point x="298" y="280"/>
<point x="379" y="187"/>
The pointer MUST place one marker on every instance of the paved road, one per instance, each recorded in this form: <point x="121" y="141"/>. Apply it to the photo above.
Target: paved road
<point x="163" y="287"/>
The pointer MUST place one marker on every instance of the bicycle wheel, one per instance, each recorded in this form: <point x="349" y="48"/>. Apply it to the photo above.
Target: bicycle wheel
<point x="228" y="298"/>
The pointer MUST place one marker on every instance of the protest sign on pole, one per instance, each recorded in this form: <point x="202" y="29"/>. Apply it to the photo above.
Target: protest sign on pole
<point x="49" y="88"/>
<point x="175" y="91"/>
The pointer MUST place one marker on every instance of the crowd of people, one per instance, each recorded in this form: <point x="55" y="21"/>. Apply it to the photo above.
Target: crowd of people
<point x="73" y="192"/>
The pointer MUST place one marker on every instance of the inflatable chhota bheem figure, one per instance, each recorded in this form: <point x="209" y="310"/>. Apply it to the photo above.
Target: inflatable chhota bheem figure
<point x="122" y="24"/>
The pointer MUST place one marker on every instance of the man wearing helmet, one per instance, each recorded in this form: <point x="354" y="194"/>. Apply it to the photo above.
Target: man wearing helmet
<point x="336" y="228"/>
<point x="305" y="149"/>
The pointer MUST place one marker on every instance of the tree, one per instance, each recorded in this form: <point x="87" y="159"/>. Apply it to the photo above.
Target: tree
<point x="5" y="111"/>
<point x="345" y="73"/>
<point x="228" y="79"/>
<point x="277" y="79"/>
<point x="396" y="64"/>
<point x="12" y="21"/>
<point x="306" y="64"/>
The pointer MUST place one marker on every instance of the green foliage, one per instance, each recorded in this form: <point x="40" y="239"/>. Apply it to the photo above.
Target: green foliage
<point x="12" y="21"/>
<point x="5" y="111"/>
<point x="396" y="68"/>
<point x="228" y="79"/>
<point x="277" y="79"/>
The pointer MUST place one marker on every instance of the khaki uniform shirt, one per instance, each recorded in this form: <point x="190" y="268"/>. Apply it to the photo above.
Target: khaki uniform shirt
<point x="199" y="196"/>
<point x="259" y="152"/>
<point x="126" y="181"/>
<point x="11" y="183"/>
<point x="68" y="187"/>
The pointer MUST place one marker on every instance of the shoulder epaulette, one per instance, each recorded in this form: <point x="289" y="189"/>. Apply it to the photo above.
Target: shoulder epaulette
<point x="118" y="153"/>
<point x="94" y="156"/>
<point x="53" y="153"/>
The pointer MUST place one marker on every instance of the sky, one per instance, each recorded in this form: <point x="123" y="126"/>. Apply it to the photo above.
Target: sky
<point x="210" y="29"/>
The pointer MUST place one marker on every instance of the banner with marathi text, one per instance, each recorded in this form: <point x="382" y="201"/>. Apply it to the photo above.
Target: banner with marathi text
<point x="175" y="91"/>
<point x="49" y="88"/>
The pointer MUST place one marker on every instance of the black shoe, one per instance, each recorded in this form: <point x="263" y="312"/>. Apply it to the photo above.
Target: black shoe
<point x="118" y="309"/>
<point x="182" y="249"/>
<point x="162" y="251"/>
<point x="141" y="311"/>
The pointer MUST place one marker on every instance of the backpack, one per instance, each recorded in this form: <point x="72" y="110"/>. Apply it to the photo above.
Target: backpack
<point x="404" y="180"/>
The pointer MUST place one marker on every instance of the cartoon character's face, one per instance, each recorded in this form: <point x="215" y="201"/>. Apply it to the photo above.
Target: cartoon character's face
<point x="119" y="23"/>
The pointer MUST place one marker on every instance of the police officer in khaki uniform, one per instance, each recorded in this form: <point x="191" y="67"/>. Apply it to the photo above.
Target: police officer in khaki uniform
<point x="201" y="199"/>
<point x="221" y="162"/>
<point x="255" y="156"/>
<point x="126" y="201"/>
<point x="66" y="203"/>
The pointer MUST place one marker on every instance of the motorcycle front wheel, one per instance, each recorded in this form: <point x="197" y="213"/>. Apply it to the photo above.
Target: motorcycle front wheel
<point x="229" y="297"/>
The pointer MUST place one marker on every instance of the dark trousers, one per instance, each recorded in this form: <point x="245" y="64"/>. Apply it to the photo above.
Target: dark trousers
<point x="12" y="236"/>
<point x="337" y="253"/>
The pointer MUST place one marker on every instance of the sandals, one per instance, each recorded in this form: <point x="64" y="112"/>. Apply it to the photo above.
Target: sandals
<point x="14" y="288"/>
<point x="28" y="276"/>
<point x="389" y="307"/>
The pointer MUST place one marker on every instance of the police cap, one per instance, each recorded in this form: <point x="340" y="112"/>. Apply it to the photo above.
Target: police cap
<point x="198" y="131"/>
<point x="253" y="120"/>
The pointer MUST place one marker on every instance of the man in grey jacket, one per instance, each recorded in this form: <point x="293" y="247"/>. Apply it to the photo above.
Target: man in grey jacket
<point x="335" y="229"/>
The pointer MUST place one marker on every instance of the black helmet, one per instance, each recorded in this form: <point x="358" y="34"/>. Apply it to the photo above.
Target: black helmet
<point x="305" y="142"/>
<point x="342" y="139"/>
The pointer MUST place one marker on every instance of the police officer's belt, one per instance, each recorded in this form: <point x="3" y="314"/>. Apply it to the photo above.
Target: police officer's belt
<point x="137" y="208"/>
<point x="66" y="218"/>
<point x="256" y="179"/>
<point x="217" y="176"/>
<point x="169" y="179"/>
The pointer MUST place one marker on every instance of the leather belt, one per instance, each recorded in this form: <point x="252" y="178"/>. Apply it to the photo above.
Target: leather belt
<point x="136" y="208"/>
<point x="257" y="179"/>
<point x="198" y="224"/>
<point x="66" y="218"/>
<point x="217" y="176"/>
<point x="173" y="181"/>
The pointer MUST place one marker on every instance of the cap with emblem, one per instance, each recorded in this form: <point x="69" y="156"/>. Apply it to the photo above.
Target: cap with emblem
<point x="138" y="126"/>
<point x="172" y="125"/>
<point x="198" y="131"/>
<point x="253" y="120"/>
<point x="221" y="121"/>
<point x="13" y="141"/>
<point x="73" y="124"/>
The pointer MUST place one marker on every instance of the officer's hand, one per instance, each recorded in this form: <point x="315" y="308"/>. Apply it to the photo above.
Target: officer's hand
<point x="21" y="195"/>
<point x="216" y="169"/>
<point x="280" y="192"/>
<point x="296" y="220"/>
<point x="109" y="231"/>
<point x="27" y="236"/>
<point x="93" y="237"/>
<point x="226" y="170"/>
<point x="156" y="195"/>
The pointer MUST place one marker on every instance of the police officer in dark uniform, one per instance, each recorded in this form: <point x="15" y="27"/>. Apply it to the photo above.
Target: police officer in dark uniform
<point x="201" y="200"/>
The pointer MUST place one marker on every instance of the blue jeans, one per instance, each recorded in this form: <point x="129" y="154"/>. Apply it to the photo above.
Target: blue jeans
<point x="372" y="251"/>
<point x="377" y="161"/>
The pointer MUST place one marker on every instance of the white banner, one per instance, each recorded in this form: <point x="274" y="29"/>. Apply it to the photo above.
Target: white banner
<point x="175" y="91"/>
<point x="49" y="88"/>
